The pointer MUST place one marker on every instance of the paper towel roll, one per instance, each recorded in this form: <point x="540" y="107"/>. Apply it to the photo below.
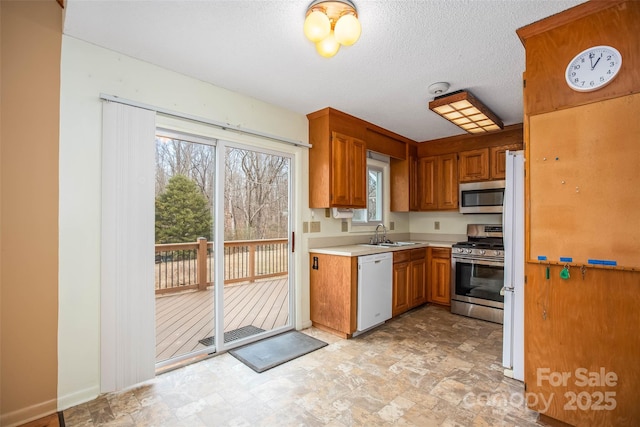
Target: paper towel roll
<point x="342" y="212"/>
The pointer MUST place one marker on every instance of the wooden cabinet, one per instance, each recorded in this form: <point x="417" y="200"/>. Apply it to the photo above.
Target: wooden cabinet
<point x="600" y="334"/>
<point x="485" y="163"/>
<point x="401" y="279"/>
<point x="404" y="182"/>
<point x="409" y="280"/>
<point x="498" y="159"/>
<point x="439" y="283"/>
<point x="333" y="282"/>
<point x="448" y="174"/>
<point x="428" y="183"/>
<point x="417" y="277"/>
<point x="337" y="161"/>
<point x="414" y="187"/>
<point x="438" y="182"/>
<point x="474" y="165"/>
<point x="348" y="171"/>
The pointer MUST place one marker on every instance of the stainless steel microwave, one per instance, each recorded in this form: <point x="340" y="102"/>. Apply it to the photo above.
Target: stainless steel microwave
<point x="481" y="197"/>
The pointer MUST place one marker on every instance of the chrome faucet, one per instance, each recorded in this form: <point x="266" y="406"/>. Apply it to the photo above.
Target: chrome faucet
<point x="377" y="240"/>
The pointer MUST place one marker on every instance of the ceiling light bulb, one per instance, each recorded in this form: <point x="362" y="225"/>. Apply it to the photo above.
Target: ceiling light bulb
<point x="347" y="30"/>
<point x="328" y="46"/>
<point x="317" y="26"/>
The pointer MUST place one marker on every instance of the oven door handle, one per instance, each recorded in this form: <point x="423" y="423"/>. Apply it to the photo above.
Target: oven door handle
<point x="479" y="261"/>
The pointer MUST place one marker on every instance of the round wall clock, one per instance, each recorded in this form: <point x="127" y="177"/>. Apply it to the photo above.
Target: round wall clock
<point x="593" y="68"/>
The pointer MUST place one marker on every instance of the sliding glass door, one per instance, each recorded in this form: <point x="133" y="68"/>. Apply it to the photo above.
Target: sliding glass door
<point x="256" y="250"/>
<point x="185" y="196"/>
<point x="217" y="293"/>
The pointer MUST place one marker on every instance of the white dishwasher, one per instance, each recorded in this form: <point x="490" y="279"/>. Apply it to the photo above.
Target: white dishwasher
<point x="375" y="283"/>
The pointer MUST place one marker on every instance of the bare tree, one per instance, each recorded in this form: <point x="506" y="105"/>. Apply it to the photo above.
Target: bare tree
<point x="255" y="189"/>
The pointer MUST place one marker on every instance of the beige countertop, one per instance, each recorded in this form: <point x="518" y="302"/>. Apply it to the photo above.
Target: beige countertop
<point x="364" y="249"/>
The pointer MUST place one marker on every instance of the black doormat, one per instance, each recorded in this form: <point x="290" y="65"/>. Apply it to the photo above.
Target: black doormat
<point x="274" y="351"/>
<point x="236" y="334"/>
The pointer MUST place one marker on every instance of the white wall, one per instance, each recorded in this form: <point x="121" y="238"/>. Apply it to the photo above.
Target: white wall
<point x="87" y="71"/>
<point x="450" y="222"/>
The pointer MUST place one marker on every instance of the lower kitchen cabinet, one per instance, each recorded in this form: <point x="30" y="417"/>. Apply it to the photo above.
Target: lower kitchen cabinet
<point x="333" y="284"/>
<point x="409" y="279"/>
<point x="439" y="283"/>
<point x="400" y="295"/>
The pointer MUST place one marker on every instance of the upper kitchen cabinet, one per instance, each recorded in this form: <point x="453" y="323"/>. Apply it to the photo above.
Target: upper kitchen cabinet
<point x="348" y="172"/>
<point x="484" y="163"/>
<point x="498" y="159"/>
<point x="481" y="157"/>
<point x="338" y="160"/>
<point x="404" y="182"/>
<point x="438" y="182"/>
<point x="474" y="165"/>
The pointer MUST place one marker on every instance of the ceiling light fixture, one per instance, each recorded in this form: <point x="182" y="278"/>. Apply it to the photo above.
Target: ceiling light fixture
<point x="330" y="24"/>
<point x="464" y="110"/>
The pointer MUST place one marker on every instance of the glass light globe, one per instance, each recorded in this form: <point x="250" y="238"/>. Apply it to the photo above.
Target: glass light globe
<point x="328" y="46"/>
<point x="317" y="26"/>
<point x="347" y="30"/>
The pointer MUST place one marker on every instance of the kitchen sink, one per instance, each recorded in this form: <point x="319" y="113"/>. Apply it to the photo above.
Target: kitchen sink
<point x="388" y="244"/>
<point x="405" y="243"/>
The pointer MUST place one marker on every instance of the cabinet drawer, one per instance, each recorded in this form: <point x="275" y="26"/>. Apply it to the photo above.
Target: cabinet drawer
<point x="440" y="252"/>
<point x="418" y="254"/>
<point x="401" y="256"/>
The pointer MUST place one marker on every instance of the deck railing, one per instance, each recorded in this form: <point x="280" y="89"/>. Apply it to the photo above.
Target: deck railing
<point x="184" y="266"/>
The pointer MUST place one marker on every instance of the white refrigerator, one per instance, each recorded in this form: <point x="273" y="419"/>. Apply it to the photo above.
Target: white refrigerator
<point x="513" y="235"/>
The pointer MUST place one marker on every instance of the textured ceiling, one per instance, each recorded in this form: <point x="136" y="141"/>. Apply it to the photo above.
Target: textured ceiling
<point x="257" y="48"/>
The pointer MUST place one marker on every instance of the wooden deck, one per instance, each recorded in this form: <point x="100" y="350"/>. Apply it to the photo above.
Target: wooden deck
<point x="184" y="319"/>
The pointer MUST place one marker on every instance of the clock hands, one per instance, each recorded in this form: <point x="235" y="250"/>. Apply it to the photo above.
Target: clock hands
<point x="597" y="60"/>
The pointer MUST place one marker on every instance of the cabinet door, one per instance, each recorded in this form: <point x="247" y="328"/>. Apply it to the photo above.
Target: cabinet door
<point x="400" y="297"/>
<point x="358" y="173"/>
<point x="428" y="181"/>
<point x="414" y="193"/>
<point x="339" y="167"/>
<point x="448" y="185"/>
<point x="440" y="280"/>
<point x="474" y="165"/>
<point x="498" y="159"/>
<point x="333" y="292"/>
<point x="418" y="283"/>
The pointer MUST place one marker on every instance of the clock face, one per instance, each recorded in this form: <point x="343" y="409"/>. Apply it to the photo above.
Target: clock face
<point x="593" y="68"/>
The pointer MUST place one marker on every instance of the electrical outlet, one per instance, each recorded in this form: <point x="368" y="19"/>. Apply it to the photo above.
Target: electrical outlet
<point x="392" y="226"/>
<point x="345" y="226"/>
<point x="305" y="227"/>
<point x="315" y="226"/>
<point x="436" y="225"/>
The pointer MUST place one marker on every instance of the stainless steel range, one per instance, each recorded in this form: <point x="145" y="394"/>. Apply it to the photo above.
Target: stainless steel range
<point x="478" y="274"/>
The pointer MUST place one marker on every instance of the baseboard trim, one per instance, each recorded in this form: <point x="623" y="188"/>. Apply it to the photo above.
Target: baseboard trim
<point x="546" y="420"/>
<point x="28" y="414"/>
<point x="77" y="397"/>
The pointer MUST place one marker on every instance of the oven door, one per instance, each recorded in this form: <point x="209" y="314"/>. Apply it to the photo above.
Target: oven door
<point x="477" y="281"/>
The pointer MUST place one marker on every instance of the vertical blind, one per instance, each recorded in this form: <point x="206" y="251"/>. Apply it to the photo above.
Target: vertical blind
<point x="127" y="278"/>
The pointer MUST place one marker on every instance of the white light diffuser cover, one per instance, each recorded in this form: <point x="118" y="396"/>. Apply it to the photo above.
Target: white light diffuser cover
<point x="464" y="110"/>
<point x="347" y="30"/>
<point x="317" y="26"/>
<point x="328" y="46"/>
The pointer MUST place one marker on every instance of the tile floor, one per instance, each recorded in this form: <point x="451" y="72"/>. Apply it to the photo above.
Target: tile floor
<point x="427" y="367"/>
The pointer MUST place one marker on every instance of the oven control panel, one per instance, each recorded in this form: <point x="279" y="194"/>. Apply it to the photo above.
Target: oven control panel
<point x="492" y="253"/>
